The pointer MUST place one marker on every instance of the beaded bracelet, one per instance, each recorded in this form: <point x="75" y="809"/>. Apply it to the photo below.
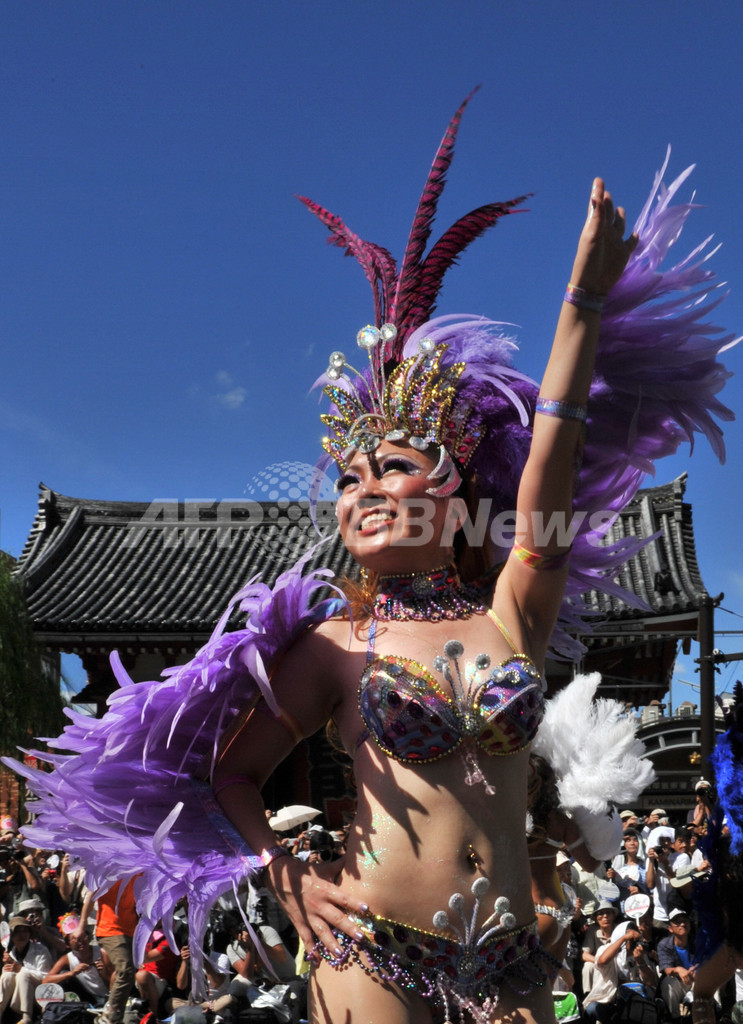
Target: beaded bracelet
<point x="578" y="296"/>
<point x="561" y="410"/>
<point x="271" y="853"/>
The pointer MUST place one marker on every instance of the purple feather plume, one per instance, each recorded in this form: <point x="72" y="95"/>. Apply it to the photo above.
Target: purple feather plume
<point x="127" y="794"/>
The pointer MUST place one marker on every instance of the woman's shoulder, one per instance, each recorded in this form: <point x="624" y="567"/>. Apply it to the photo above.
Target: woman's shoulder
<point x="318" y="653"/>
<point x="338" y="630"/>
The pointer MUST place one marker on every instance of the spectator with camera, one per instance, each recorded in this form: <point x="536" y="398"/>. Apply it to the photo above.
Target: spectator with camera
<point x="25" y="964"/>
<point x="20" y="880"/>
<point x="659" y="873"/>
<point x="628" y="870"/>
<point x="704" y="802"/>
<point x="32" y="910"/>
<point x="71" y="883"/>
<point x="601" y="948"/>
<point x="638" y="959"/>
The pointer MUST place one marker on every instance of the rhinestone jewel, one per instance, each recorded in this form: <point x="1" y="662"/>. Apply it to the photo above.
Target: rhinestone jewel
<point x="441" y="919"/>
<point x="482" y="661"/>
<point x="337" y="359"/>
<point x="453" y="649"/>
<point x="395" y="435"/>
<point x="388" y="332"/>
<point x="470" y="724"/>
<point x="333" y="372"/>
<point x="426" y="345"/>
<point x="422" y="585"/>
<point x="431" y="596"/>
<point x="467" y="964"/>
<point x="439" y="663"/>
<point x="419" y="443"/>
<point x="456" y="901"/>
<point x="480" y="886"/>
<point x="369" y="443"/>
<point x="368" y="337"/>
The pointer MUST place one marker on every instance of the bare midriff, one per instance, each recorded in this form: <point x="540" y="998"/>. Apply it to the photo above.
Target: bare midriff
<point x="421" y="834"/>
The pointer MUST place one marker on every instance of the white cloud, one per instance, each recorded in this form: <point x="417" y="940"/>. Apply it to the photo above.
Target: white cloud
<point x="231" y="395"/>
<point x="233" y="398"/>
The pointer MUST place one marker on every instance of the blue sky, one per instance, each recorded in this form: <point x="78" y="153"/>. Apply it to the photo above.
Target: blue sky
<point x="165" y="301"/>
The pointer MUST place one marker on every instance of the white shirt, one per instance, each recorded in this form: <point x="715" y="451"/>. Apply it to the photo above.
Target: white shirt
<point x="37" y="961"/>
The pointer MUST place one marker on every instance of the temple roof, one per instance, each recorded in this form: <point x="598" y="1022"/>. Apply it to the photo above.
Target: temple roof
<point x="665" y="574"/>
<point x="95" y="570"/>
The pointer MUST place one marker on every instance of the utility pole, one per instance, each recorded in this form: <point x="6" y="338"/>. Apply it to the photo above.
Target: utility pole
<point x="707" y="678"/>
<point x="709" y="658"/>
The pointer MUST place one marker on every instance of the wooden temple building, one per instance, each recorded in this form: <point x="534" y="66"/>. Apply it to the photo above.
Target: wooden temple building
<point x="151" y="580"/>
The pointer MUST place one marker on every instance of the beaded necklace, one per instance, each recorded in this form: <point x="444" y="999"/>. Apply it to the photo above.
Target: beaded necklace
<point x="426" y="596"/>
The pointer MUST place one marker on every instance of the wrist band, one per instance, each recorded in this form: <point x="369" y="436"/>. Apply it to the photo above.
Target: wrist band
<point x="562" y="410"/>
<point x="271" y="853"/>
<point x="548" y="562"/>
<point x="232" y="780"/>
<point x="577" y="296"/>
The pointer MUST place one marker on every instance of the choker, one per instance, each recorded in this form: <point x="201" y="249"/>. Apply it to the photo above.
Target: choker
<point x="427" y="596"/>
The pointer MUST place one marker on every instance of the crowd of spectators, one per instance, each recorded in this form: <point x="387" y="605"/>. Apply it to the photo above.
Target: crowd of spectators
<point x="53" y="932"/>
<point x="631" y="955"/>
<point x="620" y="951"/>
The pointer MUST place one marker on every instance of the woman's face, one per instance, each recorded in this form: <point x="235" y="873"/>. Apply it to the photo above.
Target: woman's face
<point x="631" y="845"/>
<point x="80" y="943"/>
<point x="388" y="520"/>
<point x="605" y="920"/>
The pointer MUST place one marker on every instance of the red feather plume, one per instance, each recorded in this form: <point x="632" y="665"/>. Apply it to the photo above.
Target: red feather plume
<point x="408" y="299"/>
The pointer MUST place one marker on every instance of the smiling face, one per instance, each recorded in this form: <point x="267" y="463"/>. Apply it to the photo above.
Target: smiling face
<point x="388" y="520"/>
<point x="79" y="943"/>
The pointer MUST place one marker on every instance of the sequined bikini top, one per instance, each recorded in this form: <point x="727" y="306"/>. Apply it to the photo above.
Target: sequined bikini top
<point x="412" y="719"/>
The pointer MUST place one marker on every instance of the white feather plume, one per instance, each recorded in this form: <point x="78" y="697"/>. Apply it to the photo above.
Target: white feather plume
<point x="593" y="748"/>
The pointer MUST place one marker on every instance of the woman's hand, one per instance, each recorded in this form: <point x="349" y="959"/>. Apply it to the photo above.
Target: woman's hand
<point x="313" y="902"/>
<point x="603" y="251"/>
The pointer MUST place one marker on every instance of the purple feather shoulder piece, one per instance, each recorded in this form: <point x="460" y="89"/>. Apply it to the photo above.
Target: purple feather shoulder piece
<point x="129" y="793"/>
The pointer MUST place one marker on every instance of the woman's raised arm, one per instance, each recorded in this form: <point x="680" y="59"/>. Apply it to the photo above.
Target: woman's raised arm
<point x="534" y="577"/>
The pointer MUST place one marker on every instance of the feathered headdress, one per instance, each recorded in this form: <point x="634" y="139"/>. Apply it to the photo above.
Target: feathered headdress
<point x="450" y="380"/>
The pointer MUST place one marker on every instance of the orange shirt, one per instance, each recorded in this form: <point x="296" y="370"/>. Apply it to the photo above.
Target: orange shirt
<point x="117" y="916"/>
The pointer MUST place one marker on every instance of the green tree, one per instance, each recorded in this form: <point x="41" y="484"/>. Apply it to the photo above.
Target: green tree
<point x="30" y="702"/>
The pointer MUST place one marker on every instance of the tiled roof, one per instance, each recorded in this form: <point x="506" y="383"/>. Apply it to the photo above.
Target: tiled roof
<point x="100" y="570"/>
<point x="103" y="569"/>
<point x="665" y="574"/>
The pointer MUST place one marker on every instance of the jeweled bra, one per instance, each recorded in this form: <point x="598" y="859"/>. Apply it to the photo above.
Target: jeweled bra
<point x="413" y="720"/>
